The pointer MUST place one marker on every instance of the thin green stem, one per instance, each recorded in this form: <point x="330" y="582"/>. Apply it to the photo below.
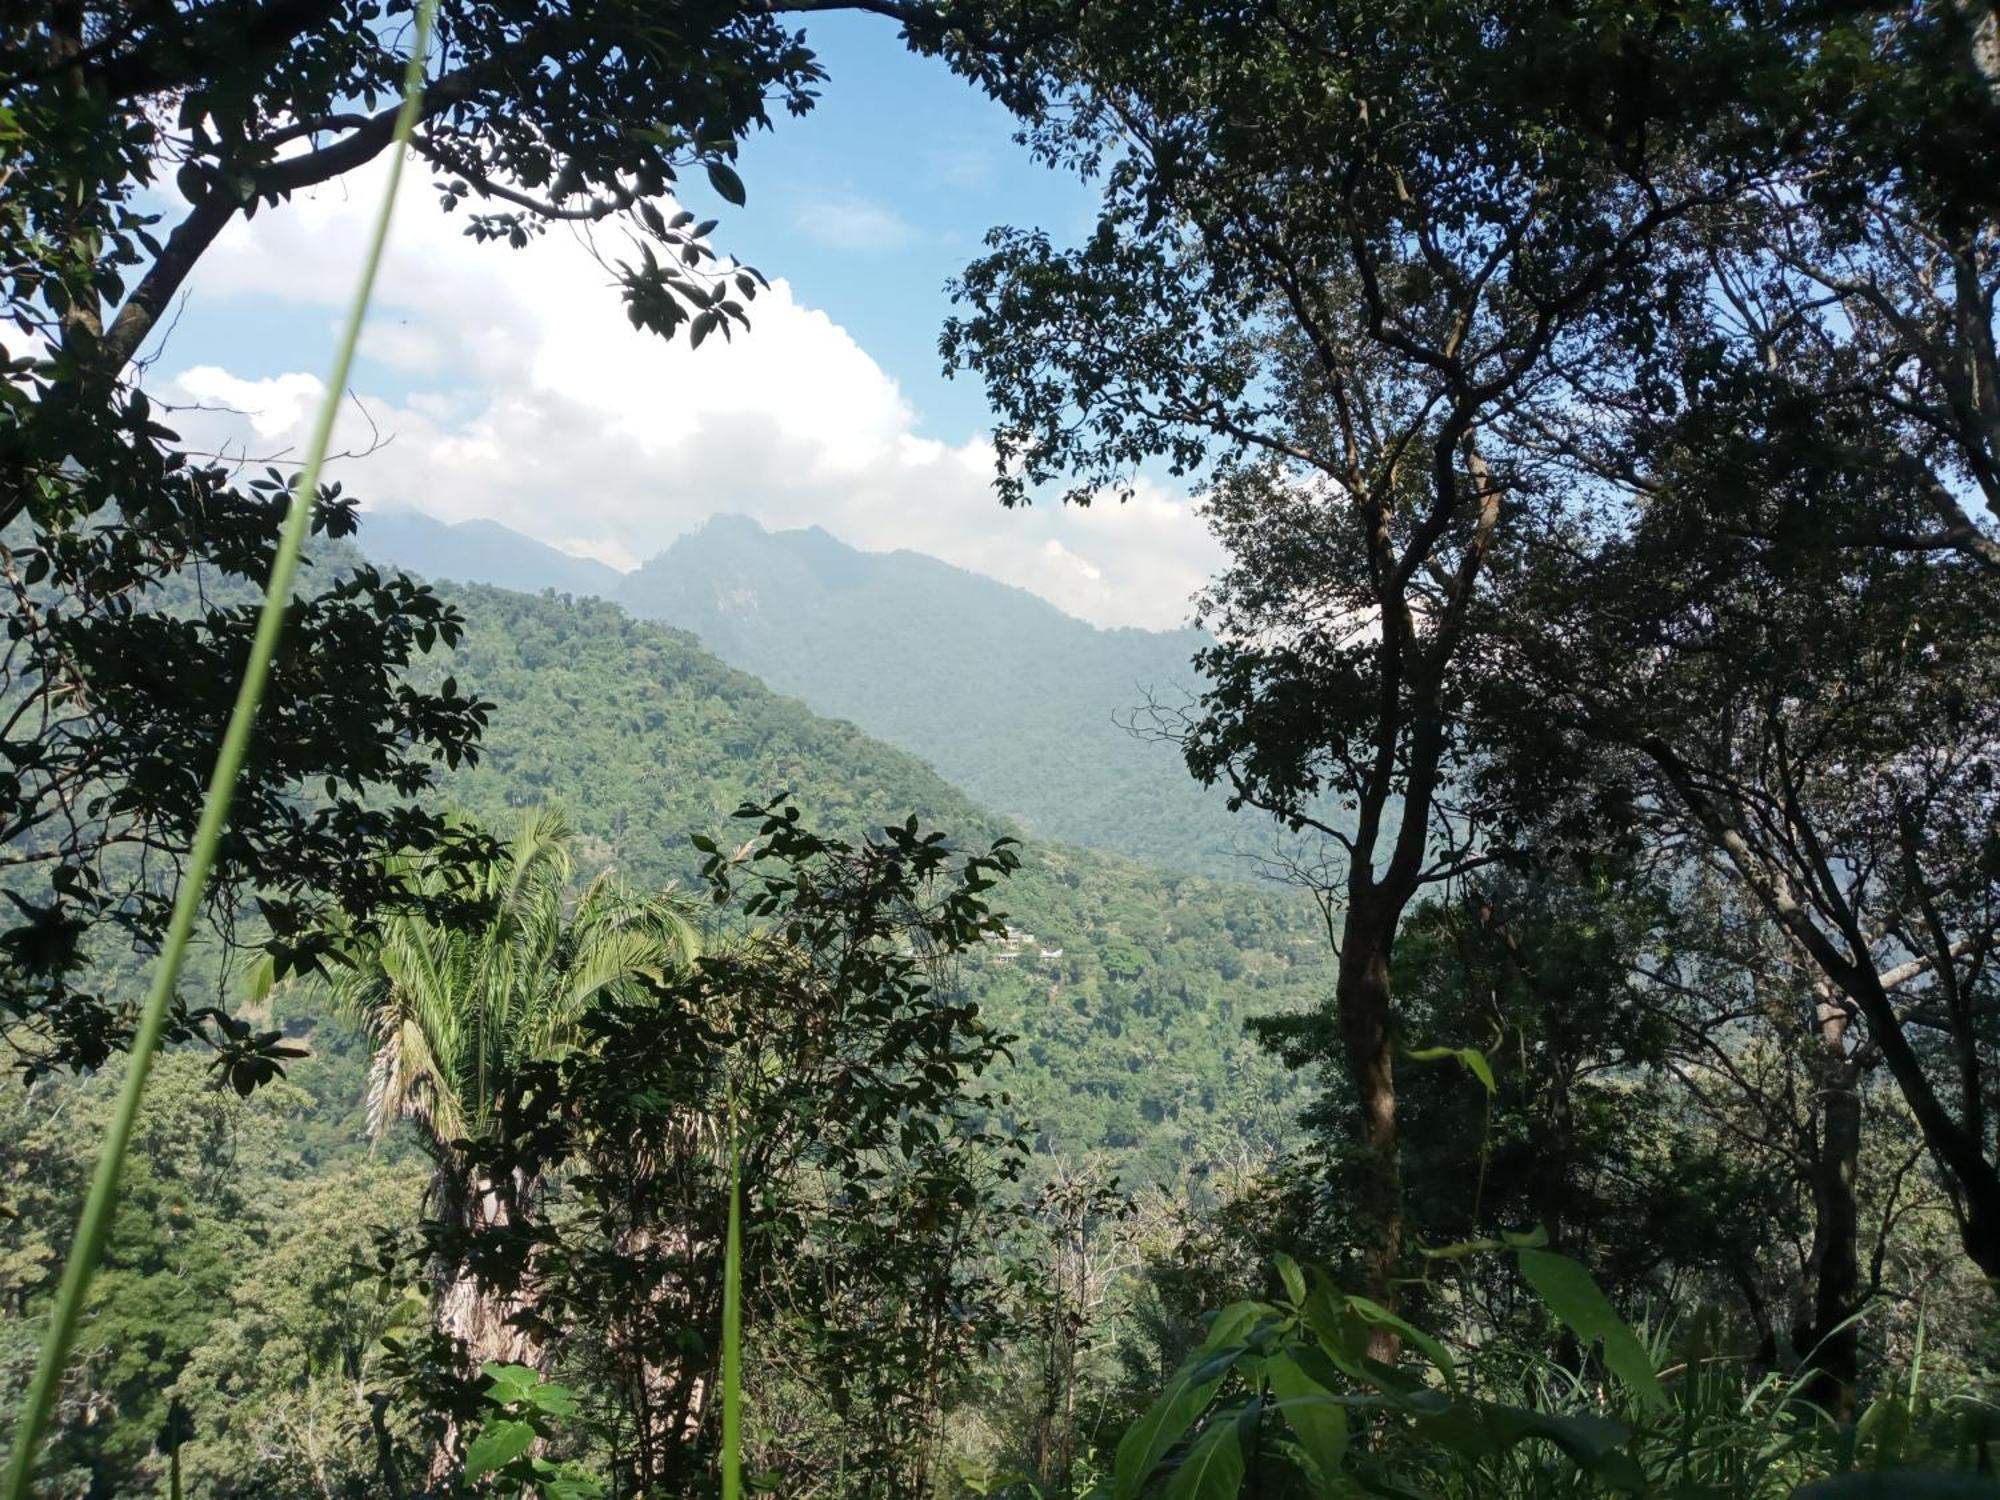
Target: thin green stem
<point x="732" y="1326"/>
<point x="102" y="1200"/>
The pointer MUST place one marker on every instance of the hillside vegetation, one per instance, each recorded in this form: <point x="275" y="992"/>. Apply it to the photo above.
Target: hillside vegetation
<point x="1132" y="1037"/>
<point x="1028" y="710"/>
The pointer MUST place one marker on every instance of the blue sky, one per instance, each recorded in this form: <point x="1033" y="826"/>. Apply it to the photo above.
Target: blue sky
<point x="509" y="386"/>
<point x="873" y="201"/>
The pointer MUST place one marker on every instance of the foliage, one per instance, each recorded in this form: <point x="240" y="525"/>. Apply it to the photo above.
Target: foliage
<point x="226" y="1280"/>
<point x="461" y="1017"/>
<point x="1345" y="264"/>
<point x="1131" y="1036"/>
<point x="119" y="118"/>
<point x="826" y="1051"/>
<point x="1283" y="1398"/>
<point x="128" y="567"/>
<point x="1595" y="404"/>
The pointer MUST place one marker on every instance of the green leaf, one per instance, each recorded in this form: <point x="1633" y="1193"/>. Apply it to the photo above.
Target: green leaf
<point x="1594" y="1444"/>
<point x="1233" y="1321"/>
<point x="510" y="1382"/>
<point x="1375" y="1313"/>
<point x="722" y="177"/>
<point x="1213" y="1469"/>
<point x="555" y="1400"/>
<point x="1573" y="1297"/>
<point x="1147" y="1440"/>
<point x="1470" y="1058"/>
<point x="1315" y="1417"/>
<point x="1293" y="1278"/>
<point x="498" y="1444"/>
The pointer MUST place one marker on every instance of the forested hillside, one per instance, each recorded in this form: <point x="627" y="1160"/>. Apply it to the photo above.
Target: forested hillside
<point x="1132" y="1033"/>
<point x="469" y="1039"/>
<point x="1028" y="710"/>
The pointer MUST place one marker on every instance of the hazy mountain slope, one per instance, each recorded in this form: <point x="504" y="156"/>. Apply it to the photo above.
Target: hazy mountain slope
<point x="1019" y="704"/>
<point x="480" y="552"/>
<point x="1131" y="1033"/>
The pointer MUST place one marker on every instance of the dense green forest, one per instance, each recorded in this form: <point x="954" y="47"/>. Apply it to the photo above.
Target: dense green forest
<point x="1132" y="1040"/>
<point x="474" y="1041"/>
<point x="1052" y="721"/>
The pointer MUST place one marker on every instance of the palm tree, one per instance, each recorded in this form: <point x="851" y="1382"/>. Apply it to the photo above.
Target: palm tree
<point x="456" y="1010"/>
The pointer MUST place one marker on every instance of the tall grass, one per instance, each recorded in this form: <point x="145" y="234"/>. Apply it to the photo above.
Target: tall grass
<point x="101" y="1203"/>
<point x="732" y="1325"/>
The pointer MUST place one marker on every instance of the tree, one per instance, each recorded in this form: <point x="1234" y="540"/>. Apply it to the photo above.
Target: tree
<point x="284" y="1390"/>
<point x="1815" y="719"/>
<point x="826" y="1036"/>
<point x="1335" y="268"/>
<point x="130" y="137"/>
<point x="1795" y="482"/>
<point x="458" y="1017"/>
<point x="197" y="1208"/>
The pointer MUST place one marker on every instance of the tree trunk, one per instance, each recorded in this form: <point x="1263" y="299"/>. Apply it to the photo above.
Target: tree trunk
<point x="468" y="1311"/>
<point x="1834" y="1264"/>
<point x="1362" y="1000"/>
<point x="461" y="1307"/>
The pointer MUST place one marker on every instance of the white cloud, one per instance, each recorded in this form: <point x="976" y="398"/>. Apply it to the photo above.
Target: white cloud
<point x="273" y="408"/>
<point x="611" y="554"/>
<point x="518" y="391"/>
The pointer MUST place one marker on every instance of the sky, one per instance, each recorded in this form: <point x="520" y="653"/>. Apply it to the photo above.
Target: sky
<point x="508" y="384"/>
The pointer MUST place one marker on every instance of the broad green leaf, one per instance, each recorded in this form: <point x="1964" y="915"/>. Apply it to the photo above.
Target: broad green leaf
<point x="1470" y="1058"/>
<point x="1317" y="1420"/>
<point x="510" y="1382"/>
<point x="1293" y="1278"/>
<point x="556" y="1400"/>
<point x="1213" y="1469"/>
<point x="1229" y="1325"/>
<point x="498" y="1444"/>
<point x="1573" y="1297"/>
<point x="1147" y="1440"/>
<point x="1381" y="1317"/>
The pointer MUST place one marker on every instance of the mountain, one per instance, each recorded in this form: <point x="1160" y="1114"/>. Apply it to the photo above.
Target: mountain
<point x="1127" y="986"/>
<point x="1021" y="706"/>
<point x="481" y="552"/>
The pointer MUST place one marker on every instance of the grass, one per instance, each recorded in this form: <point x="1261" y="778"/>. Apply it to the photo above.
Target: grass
<point x="732" y="1326"/>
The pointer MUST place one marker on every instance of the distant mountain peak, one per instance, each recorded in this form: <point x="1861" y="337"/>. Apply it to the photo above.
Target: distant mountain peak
<point x="480" y="551"/>
<point x="1005" y="694"/>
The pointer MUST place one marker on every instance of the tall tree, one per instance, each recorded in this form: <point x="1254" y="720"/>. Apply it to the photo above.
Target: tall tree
<point x="458" y="1014"/>
<point x="1775" y="610"/>
<point x="823" y="1034"/>
<point x="1335" y="263"/>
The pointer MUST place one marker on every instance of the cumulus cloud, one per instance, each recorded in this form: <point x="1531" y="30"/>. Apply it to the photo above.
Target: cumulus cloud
<point x="273" y="407"/>
<point x="510" y="386"/>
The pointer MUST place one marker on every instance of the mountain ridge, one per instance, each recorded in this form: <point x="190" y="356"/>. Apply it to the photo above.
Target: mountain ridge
<point x="1022" y="706"/>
